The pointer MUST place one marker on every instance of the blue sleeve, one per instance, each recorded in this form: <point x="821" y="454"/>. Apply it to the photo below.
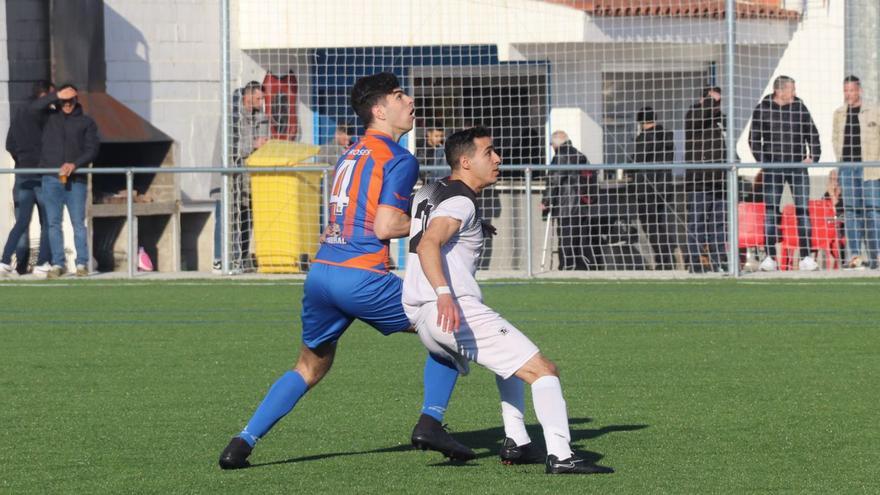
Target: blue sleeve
<point x="401" y="173"/>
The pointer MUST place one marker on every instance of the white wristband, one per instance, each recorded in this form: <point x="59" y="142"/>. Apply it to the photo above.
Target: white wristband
<point x="443" y="289"/>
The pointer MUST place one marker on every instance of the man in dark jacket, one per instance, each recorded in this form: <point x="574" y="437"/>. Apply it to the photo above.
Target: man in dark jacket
<point x="70" y="141"/>
<point x="567" y="198"/>
<point x="654" y="191"/>
<point x="784" y="132"/>
<point x="23" y="143"/>
<point x="706" y="200"/>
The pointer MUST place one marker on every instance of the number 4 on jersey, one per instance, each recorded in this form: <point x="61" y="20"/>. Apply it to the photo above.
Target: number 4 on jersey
<point x="339" y="194"/>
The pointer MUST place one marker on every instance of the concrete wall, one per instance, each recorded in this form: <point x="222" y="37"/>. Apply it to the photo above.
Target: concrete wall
<point x="163" y="61"/>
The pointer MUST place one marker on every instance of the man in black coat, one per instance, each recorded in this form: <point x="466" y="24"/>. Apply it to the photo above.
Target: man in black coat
<point x="654" y="191"/>
<point x="704" y="142"/>
<point x="70" y="141"/>
<point x="567" y="198"/>
<point x="23" y="142"/>
<point x="783" y="131"/>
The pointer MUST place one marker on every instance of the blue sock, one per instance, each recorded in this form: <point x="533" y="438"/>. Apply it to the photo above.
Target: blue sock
<point x="282" y="396"/>
<point x="440" y="377"/>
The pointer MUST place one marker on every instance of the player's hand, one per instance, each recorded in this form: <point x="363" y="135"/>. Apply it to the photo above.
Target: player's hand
<point x="328" y="231"/>
<point x="448" y="314"/>
<point x="808" y="160"/>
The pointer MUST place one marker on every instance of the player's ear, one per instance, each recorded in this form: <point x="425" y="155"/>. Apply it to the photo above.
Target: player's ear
<point x="378" y="111"/>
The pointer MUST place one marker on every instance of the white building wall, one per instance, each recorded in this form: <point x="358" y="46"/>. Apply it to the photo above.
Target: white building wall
<point x="163" y="61"/>
<point x="277" y="24"/>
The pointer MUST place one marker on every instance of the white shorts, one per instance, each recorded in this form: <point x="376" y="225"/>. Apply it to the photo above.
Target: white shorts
<point x="483" y="337"/>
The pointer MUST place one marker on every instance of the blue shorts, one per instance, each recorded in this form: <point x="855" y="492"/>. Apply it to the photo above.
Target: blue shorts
<point x="335" y="296"/>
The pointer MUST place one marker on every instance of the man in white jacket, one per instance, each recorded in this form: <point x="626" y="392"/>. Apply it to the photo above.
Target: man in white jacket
<point x="856" y="138"/>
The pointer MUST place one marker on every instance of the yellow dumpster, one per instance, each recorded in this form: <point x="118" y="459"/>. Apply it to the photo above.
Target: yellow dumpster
<point x="286" y="207"/>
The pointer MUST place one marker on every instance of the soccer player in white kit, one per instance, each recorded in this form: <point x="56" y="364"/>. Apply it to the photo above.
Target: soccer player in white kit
<point x="443" y="301"/>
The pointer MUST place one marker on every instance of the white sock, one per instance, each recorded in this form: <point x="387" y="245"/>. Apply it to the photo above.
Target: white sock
<point x="550" y="409"/>
<point x="513" y="407"/>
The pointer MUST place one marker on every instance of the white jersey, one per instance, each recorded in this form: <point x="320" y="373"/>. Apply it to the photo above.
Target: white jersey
<point x="445" y="198"/>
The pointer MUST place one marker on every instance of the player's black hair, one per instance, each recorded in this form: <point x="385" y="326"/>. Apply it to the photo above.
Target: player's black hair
<point x="852" y="79"/>
<point x="461" y="144"/>
<point x="368" y="91"/>
<point x="68" y="85"/>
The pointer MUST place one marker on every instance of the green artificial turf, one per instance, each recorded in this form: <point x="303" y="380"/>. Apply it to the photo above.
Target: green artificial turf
<point x="683" y="387"/>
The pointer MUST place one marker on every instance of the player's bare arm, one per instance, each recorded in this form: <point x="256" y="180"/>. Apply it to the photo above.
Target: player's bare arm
<point x="390" y="223"/>
<point x="438" y="233"/>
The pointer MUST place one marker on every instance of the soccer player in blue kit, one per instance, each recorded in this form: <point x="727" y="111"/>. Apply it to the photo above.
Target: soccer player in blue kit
<point x="349" y="277"/>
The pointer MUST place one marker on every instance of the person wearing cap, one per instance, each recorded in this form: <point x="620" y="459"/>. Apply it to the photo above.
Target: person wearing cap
<point x="706" y="188"/>
<point x="653" y="187"/>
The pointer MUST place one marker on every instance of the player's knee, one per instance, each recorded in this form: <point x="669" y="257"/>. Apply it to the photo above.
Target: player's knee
<point x="313" y="364"/>
<point x="547" y="368"/>
<point x="537" y="367"/>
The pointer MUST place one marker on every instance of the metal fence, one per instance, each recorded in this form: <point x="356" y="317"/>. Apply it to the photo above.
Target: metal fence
<point x="618" y="226"/>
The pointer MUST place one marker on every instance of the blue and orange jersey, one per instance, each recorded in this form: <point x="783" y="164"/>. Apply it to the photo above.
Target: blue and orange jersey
<point x="374" y="172"/>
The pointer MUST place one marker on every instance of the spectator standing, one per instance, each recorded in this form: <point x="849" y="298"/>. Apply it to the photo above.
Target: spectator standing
<point x="70" y="141"/>
<point x="433" y="154"/>
<point x="783" y="131"/>
<point x="331" y="152"/>
<point x="250" y="130"/>
<point x="23" y="142"/>
<point x="706" y="189"/>
<point x="856" y="138"/>
<point x="566" y="199"/>
<point x="654" y="188"/>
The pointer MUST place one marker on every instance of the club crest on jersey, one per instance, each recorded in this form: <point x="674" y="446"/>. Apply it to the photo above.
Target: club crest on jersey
<point x="332" y="234"/>
<point x="503" y="331"/>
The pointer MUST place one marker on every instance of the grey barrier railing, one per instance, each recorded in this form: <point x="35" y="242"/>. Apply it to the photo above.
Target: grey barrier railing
<point x="528" y="180"/>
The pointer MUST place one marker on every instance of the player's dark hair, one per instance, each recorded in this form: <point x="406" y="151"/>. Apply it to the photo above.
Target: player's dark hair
<point x="68" y="85"/>
<point x="368" y="91"/>
<point x="462" y="143"/>
<point x="852" y="79"/>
